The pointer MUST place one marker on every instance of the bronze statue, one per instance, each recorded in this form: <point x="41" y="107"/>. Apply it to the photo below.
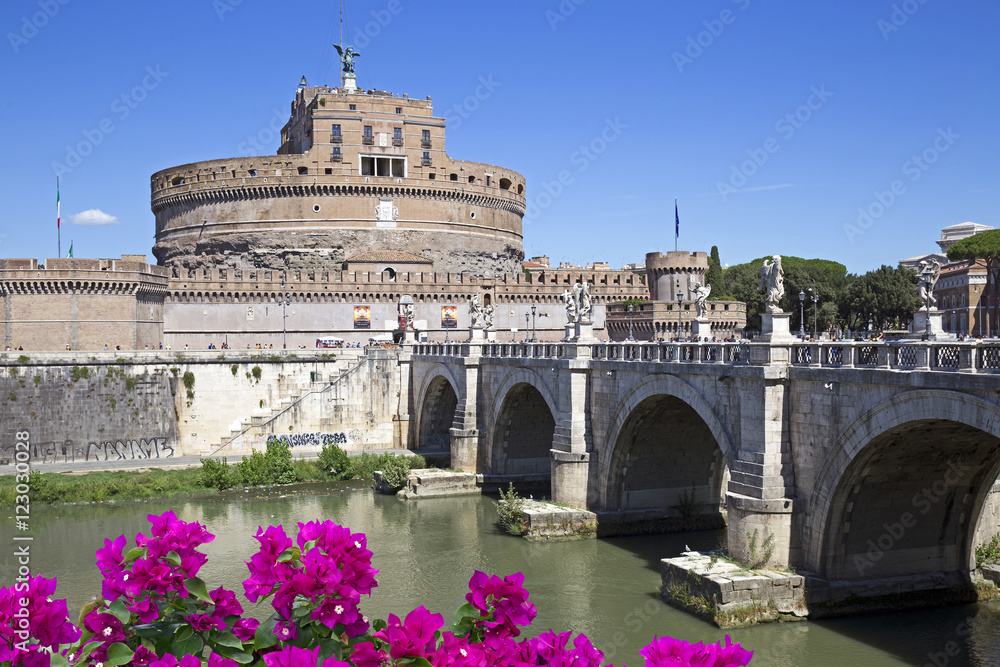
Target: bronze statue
<point x="347" y="57"/>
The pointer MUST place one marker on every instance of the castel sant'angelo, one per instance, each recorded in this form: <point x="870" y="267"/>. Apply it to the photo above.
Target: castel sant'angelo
<point x="360" y="207"/>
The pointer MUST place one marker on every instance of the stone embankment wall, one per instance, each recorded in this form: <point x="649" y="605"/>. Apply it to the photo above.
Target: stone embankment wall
<point x="113" y="407"/>
<point x="989" y="519"/>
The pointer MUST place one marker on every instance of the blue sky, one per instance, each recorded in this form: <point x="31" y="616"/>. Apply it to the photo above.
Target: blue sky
<point x="776" y="125"/>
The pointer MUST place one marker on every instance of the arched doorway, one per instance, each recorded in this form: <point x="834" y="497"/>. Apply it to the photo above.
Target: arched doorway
<point x="523" y="433"/>
<point x="666" y="463"/>
<point x="907" y="505"/>
<point x="437" y="415"/>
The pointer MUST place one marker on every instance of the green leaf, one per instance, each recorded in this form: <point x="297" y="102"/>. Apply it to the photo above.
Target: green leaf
<point x="239" y="656"/>
<point x="299" y="612"/>
<point x="291" y="553"/>
<point x="118" y="654"/>
<point x="466" y="611"/>
<point x="228" y="639"/>
<point x="173" y="558"/>
<point x="264" y="637"/>
<point x="118" y="609"/>
<point x="330" y="648"/>
<point x="86" y="650"/>
<point x="158" y="629"/>
<point x="58" y="660"/>
<point x="184" y="632"/>
<point x="197" y="588"/>
<point x="134" y="554"/>
<point x="190" y="646"/>
<point x="415" y="662"/>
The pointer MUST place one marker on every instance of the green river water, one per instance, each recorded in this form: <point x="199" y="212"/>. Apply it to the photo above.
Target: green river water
<point x="427" y="550"/>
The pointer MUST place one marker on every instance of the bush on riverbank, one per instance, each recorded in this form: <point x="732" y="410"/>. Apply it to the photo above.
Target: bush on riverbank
<point x="275" y="466"/>
<point x="102" y="486"/>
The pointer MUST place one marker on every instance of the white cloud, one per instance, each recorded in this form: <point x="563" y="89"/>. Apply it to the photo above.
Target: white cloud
<point x="93" y="217"/>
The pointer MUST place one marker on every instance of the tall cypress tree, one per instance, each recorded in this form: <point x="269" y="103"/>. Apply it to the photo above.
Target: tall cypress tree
<point x="714" y="275"/>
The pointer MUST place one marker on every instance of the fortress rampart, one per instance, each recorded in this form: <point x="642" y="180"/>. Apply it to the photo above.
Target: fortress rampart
<point x="355" y="172"/>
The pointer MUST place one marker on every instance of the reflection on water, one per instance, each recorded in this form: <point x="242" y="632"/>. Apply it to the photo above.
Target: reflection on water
<point x="427" y="550"/>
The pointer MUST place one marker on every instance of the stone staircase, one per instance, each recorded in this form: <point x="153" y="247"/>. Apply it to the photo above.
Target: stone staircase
<point x="254" y="425"/>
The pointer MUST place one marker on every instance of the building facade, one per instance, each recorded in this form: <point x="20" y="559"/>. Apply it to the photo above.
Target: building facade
<point x="82" y="304"/>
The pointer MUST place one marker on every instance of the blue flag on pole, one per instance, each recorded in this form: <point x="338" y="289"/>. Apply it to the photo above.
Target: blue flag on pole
<point x="677" y="222"/>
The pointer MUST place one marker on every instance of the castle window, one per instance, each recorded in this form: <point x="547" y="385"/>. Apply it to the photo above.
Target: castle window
<point x="399" y="109"/>
<point x="328" y="171"/>
<point x="335" y="136"/>
<point x="425" y="139"/>
<point x="368" y="139"/>
<point x="425" y="159"/>
<point x="179" y="180"/>
<point x="252" y="172"/>
<point x="372" y="165"/>
<point x="303" y="171"/>
<point x="472" y="179"/>
<point x="454" y="177"/>
<point x="353" y="107"/>
<point x="488" y="179"/>
<point x="337" y="156"/>
<point x="432" y="175"/>
<point x="505" y="184"/>
<point x="368" y="130"/>
<point x="397" y="136"/>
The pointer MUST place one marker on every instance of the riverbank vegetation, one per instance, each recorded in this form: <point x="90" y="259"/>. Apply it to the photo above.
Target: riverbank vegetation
<point x="274" y="466"/>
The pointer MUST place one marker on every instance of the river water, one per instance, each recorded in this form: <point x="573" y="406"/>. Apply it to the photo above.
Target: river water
<point x="427" y="550"/>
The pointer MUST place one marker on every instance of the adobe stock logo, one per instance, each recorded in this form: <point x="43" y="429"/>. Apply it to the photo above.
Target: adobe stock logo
<point x="915" y="168"/>
<point x="31" y="25"/>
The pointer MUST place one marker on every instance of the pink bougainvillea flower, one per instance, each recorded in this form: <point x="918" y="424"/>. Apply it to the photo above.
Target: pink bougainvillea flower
<point x="106" y="628"/>
<point x="143" y="656"/>
<point x="245" y="628"/>
<point x="166" y="661"/>
<point x="666" y="651"/>
<point x="218" y="661"/>
<point x="226" y="603"/>
<point x="190" y="661"/>
<point x="366" y="655"/>
<point x="412" y="638"/>
<point x="505" y="600"/>
<point x="146" y="610"/>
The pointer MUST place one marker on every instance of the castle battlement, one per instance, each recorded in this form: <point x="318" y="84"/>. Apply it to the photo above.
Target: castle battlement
<point x="355" y="172"/>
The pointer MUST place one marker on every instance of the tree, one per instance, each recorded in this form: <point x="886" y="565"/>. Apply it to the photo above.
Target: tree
<point x="826" y="278"/>
<point x="884" y="298"/>
<point x="714" y="275"/>
<point x="983" y="246"/>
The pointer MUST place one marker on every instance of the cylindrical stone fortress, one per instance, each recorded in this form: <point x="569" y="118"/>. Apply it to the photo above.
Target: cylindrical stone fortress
<point x="355" y="172"/>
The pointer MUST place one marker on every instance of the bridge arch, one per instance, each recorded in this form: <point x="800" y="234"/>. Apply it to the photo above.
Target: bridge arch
<point x="436" y="401"/>
<point x="902" y="490"/>
<point x="663" y="444"/>
<point x="521" y="426"/>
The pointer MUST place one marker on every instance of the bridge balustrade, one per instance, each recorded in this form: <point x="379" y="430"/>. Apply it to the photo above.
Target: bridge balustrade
<point x="943" y="356"/>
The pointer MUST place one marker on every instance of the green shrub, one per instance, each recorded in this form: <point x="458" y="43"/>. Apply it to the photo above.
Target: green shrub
<point x="335" y="462"/>
<point x="188" y="380"/>
<point x="256" y="372"/>
<point x="80" y="373"/>
<point x="395" y="470"/>
<point x="279" y="463"/>
<point x="510" y="512"/>
<point x="252" y="469"/>
<point x="234" y="368"/>
<point x="13" y="396"/>
<point x="989" y="553"/>
<point x="217" y="474"/>
<point x="23" y="359"/>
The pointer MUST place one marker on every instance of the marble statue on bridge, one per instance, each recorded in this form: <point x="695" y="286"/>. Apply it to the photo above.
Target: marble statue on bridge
<point x="570" y="306"/>
<point x="772" y="281"/>
<point x="927" y="277"/>
<point x="476" y="311"/>
<point x="701" y="293"/>
<point x="583" y="302"/>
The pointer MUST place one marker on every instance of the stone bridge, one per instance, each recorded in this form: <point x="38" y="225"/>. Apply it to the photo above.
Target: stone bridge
<point x="871" y="464"/>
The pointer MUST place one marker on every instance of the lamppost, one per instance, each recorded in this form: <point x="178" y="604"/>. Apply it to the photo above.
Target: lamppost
<point x="802" y="315"/>
<point x="286" y="300"/>
<point x="680" y="325"/>
<point x="815" y="298"/>
<point x="534" y="337"/>
<point x="526" y="328"/>
<point x="630" y="309"/>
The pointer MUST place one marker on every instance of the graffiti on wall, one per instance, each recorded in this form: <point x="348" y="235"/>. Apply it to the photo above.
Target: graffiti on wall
<point x="311" y="439"/>
<point x="69" y="451"/>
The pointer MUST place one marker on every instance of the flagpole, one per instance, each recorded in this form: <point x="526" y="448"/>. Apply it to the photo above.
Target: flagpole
<point x="677" y="226"/>
<point x="58" y="222"/>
